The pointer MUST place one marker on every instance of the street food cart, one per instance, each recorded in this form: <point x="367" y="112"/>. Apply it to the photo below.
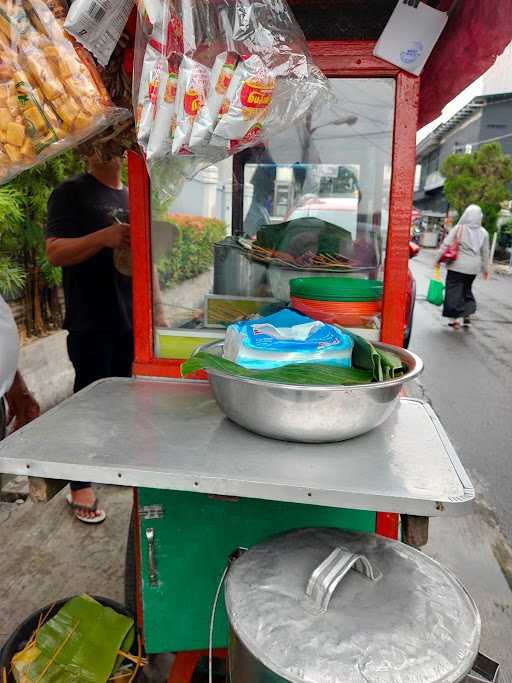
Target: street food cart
<point x="203" y="486"/>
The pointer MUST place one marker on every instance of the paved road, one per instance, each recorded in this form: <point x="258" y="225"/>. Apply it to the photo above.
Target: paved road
<point x="468" y="378"/>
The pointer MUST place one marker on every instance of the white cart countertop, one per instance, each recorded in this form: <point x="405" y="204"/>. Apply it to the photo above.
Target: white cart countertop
<point x="171" y="435"/>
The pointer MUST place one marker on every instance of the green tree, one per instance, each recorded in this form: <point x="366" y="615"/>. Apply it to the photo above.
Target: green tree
<point x="479" y="178"/>
<point x="24" y="268"/>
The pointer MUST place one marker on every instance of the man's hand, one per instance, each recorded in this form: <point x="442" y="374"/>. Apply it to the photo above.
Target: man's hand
<point x="70" y="251"/>
<point x="486" y="276"/>
<point x="21" y="405"/>
<point x="116" y="236"/>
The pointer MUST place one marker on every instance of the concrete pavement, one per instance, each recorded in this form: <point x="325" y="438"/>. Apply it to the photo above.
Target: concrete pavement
<point x="468" y="379"/>
<point x="467" y="382"/>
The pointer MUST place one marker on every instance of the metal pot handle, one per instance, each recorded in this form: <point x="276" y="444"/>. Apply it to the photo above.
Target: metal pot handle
<point x="326" y="577"/>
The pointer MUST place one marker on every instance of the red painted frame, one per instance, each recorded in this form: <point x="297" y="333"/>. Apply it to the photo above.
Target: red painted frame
<point x="335" y="58"/>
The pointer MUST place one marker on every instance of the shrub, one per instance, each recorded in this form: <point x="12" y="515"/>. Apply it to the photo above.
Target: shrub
<point x="192" y="251"/>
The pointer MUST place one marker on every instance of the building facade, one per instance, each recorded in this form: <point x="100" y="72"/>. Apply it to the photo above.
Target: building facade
<point x="487" y="118"/>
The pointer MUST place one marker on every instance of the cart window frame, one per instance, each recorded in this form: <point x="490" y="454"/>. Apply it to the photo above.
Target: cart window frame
<point x="338" y="59"/>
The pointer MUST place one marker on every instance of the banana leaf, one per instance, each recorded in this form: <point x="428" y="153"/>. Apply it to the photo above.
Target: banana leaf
<point x="366" y="356"/>
<point x="305" y="373"/>
<point x="80" y="644"/>
<point x="392" y="366"/>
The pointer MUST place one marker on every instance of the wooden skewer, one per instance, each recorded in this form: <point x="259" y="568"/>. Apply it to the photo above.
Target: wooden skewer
<point x="57" y="652"/>
<point x="138" y="664"/>
<point x="132" y="658"/>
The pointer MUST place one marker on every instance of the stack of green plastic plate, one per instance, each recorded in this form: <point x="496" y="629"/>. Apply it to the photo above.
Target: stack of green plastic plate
<point x="336" y="289"/>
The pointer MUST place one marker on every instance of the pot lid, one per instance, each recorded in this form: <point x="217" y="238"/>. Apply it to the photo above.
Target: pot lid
<point x="318" y="605"/>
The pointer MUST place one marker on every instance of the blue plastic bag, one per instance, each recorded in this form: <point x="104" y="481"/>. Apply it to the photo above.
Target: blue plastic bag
<point x="286" y="337"/>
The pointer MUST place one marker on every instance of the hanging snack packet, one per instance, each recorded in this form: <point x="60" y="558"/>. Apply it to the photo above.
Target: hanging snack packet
<point x="98" y="25"/>
<point x="164" y="121"/>
<point x="164" y="124"/>
<point x="151" y="13"/>
<point x="215" y="105"/>
<point x="193" y="84"/>
<point x="248" y="100"/>
<point x="154" y="63"/>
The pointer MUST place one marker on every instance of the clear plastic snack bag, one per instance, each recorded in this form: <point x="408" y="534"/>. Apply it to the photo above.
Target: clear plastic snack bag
<point x="193" y="84"/>
<point x="51" y="95"/>
<point x="245" y="73"/>
<point x="247" y="106"/>
<point x="160" y="29"/>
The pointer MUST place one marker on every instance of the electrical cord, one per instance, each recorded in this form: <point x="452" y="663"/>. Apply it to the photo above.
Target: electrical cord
<point x="234" y="556"/>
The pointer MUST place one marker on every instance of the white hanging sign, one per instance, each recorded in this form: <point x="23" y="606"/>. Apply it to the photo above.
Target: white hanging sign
<point x="410" y="35"/>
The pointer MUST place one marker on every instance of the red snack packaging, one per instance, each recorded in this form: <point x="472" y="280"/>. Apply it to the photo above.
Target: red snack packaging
<point x="193" y="84"/>
<point x="247" y="103"/>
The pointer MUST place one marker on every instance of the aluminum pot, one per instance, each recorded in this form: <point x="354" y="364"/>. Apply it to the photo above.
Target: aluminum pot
<point x="317" y="605"/>
<point x="309" y="414"/>
<point x="234" y="272"/>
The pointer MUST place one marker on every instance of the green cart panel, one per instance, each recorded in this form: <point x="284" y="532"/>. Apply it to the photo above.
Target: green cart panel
<point x="192" y="542"/>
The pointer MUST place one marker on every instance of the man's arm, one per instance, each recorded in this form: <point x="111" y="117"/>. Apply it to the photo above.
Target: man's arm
<point x="22" y="406"/>
<point x="159" y="316"/>
<point x="69" y="251"/>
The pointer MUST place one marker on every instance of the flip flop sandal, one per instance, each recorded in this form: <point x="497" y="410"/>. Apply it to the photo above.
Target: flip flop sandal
<point x="88" y="508"/>
<point x="455" y="325"/>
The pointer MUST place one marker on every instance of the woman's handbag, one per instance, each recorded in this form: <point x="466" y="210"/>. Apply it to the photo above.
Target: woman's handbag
<point x="435" y="294"/>
<point x="451" y="252"/>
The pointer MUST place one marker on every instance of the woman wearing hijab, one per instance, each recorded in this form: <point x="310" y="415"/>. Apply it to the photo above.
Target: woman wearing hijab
<point x="472" y="258"/>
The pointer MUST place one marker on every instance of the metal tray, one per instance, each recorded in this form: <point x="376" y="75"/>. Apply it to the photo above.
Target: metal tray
<point x="171" y="435"/>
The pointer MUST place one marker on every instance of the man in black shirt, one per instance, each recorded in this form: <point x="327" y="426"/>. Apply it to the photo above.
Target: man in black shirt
<point x="82" y="234"/>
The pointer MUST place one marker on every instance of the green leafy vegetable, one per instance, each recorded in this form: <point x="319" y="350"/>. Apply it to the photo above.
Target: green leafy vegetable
<point x="80" y="644"/>
<point x="305" y="373"/>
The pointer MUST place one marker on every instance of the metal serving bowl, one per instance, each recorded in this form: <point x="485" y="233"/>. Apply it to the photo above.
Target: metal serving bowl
<point x="309" y="414"/>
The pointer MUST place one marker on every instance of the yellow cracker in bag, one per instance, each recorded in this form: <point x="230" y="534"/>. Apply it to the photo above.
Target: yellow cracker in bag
<point x="52" y="88"/>
<point x="43" y="136"/>
<point x="82" y="120"/>
<point x="12" y="104"/>
<point x="5" y="118"/>
<point x="36" y="118"/>
<point x="15" y="134"/>
<point x="6" y="90"/>
<point x="13" y="152"/>
<point x="28" y="150"/>
<point x="68" y="67"/>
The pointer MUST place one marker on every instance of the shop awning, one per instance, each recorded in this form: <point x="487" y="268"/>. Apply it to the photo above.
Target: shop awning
<point x="477" y="33"/>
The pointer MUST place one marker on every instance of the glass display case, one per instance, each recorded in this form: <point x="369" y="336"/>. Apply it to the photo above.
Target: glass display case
<point x="312" y="202"/>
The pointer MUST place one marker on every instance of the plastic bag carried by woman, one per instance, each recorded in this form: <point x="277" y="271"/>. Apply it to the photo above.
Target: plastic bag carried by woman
<point x="51" y="96"/>
<point x="212" y="78"/>
<point x="435" y="294"/>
